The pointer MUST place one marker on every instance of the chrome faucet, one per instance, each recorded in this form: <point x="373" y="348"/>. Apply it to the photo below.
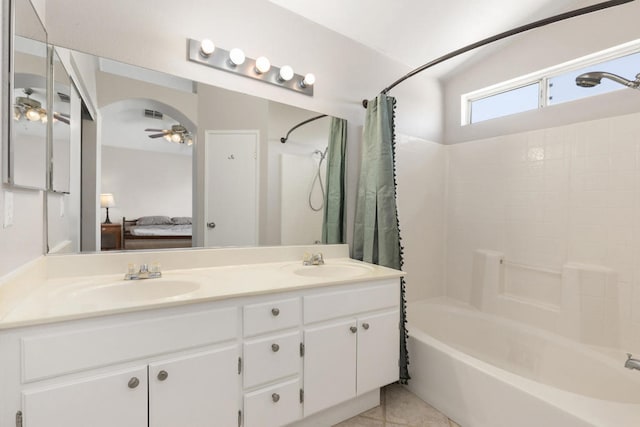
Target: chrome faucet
<point x="312" y="259"/>
<point x="632" y="363"/>
<point x="143" y="272"/>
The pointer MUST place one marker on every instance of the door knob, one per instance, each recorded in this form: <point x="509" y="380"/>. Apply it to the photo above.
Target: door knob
<point x="353" y="329"/>
<point x="365" y="326"/>
<point x="211" y="224"/>
<point x="275" y="348"/>
<point x="133" y="382"/>
<point x="275" y="311"/>
<point x="275" y="397"/>
<point x="163" y="375"/>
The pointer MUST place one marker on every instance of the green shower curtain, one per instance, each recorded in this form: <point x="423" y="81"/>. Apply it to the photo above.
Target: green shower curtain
<point x="333" y="217"/>
<point x="376" y="232"/>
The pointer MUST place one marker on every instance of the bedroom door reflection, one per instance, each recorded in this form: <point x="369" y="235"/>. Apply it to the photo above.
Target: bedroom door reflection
<point x="231" y="188"/>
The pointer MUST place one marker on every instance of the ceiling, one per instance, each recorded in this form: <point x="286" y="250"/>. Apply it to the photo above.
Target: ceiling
<point x="414" y="32"/>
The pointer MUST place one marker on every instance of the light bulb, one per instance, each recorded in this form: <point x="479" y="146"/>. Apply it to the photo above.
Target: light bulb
<point x="16" y="113"/>
<point x="236" y="56"/>
<point x="32" y="114"/>
<point x="44" y="118"/>
<point x="189" y="141"/>
<point x="286" y="73"/>
<point x="167" y="137"/>
<point x="309" y="80"/>
<point x="207" y="48"/>
<point x="176" y="137"/>
<point x="262" y="65"/>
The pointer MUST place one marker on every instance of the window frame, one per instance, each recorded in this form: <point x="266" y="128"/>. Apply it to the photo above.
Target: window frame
<point x="542" y="78"/>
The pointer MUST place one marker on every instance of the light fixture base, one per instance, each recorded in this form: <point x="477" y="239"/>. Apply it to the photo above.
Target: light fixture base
<point x="219" y="59"/>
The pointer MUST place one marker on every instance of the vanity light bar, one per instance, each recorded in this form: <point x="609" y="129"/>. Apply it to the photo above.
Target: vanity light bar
<point x="249" y="67"/>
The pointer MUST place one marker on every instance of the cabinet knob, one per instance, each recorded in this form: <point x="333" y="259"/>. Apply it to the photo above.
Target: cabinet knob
<point x="353" y="329"/>
<point x="275" y="397"/>
<point x="275" y="347"/>
<point x="275" y="311"/>
<point x="163" y="375"/>
<point x="365" y="325"/>
<point x="134" y="382"/>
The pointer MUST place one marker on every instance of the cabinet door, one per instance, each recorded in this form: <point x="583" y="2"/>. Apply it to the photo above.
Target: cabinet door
<point x="378" y="350"/>
<point x="196" y="390"/>
<point x="329" y="365"/>
<point x="102" y="401"/>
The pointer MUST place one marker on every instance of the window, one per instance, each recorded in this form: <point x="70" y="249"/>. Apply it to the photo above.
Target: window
<point x="551" y="86"/>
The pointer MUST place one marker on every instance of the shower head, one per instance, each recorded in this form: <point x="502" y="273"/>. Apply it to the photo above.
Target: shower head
<point x="594" y="78"/>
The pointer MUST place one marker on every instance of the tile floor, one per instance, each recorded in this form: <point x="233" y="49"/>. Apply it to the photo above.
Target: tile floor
<point x="399" y="407"/>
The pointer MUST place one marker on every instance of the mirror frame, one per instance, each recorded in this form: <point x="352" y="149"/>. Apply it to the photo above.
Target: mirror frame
<point x="8" y="84"/>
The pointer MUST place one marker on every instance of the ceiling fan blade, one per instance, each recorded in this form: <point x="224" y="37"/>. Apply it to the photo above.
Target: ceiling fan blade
<point x="62" y="118"/>
<point x="157" y="135"/>
<point x="156" y="130"/>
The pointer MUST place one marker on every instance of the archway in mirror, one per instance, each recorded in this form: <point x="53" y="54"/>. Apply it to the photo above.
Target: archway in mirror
<point x="147" y="167"/>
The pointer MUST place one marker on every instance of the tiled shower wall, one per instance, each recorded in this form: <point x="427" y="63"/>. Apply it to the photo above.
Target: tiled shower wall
<point x="548" y="197"/>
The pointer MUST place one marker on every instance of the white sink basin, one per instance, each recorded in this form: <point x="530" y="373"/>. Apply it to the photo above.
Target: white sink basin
<point x="333" y="271"/>
<point x="135" y="290"/>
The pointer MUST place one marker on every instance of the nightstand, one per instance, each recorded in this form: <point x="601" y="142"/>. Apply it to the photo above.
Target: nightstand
<point x="110" y="237"/>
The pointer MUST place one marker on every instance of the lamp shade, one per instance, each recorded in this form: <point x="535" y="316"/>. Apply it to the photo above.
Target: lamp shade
<point x="107" y="200"/>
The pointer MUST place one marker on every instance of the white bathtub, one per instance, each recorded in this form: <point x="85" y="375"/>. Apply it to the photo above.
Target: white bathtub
<point x="485" y="371"/>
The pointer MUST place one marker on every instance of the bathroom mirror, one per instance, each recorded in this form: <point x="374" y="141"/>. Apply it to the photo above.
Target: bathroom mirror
<point x="163" y="146"/>
<point x="25" y="150"/>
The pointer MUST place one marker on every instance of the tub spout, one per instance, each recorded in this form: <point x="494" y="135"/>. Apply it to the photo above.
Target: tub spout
<point x="632" y="363"/>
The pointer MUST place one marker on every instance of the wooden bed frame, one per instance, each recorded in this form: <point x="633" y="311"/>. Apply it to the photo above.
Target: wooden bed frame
<point x="131" y="242"/>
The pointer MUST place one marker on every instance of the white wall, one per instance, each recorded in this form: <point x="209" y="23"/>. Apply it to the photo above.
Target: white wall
<point x="549" y="197"/>
<point x="145" y="183"/>
<point x="420" y="167"/>
<point x="23" y="241"/>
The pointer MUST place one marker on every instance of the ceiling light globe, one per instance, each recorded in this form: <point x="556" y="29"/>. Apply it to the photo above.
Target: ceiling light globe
<point x="262" y="65"/>
<point x="32" y="114"/>
<point x="207" y="47"/>
<point x="176" y="137"/>
<point x="309" y="80"/>
<point x="236" y="56"/>
<point x="286" y="73"/>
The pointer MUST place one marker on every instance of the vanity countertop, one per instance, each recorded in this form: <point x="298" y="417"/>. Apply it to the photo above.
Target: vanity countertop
<point x="67" y="298"/>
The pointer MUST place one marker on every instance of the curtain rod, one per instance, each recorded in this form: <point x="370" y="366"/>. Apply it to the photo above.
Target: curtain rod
<point x="505" y="34"/>
<point x="284" y="139"/>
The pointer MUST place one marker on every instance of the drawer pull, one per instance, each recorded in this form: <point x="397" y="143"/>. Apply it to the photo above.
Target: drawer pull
<point x="134" y="382"/>
<point x="275" y="348"/>
<point x="365" y="326"/>
<point x="353" y="329"/>
<point x="275" y="397"/>
<point x="275" y="311"/>
<point x="163" y="375"/>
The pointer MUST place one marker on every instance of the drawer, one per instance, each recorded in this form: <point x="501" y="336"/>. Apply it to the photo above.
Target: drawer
<point x="331" y="305"/>
<point x="273" y="406"/>
<point x="271" y="316"/>
<point x="270" y="358"/>
<point x="93" y="347"/>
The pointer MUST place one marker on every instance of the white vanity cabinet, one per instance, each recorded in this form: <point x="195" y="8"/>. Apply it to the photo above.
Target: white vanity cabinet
<point x="252" y="361"/>
<point x="351" y="344"/>
<point x="160" y="368"/>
